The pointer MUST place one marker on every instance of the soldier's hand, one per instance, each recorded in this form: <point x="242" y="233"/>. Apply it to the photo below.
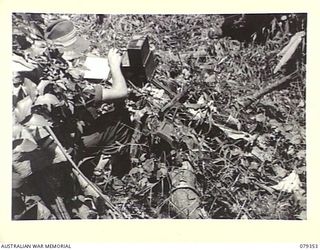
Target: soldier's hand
<point x="114" y="57"/>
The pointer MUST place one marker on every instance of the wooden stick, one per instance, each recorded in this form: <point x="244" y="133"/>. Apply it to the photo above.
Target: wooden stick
<point x="161" y="86"/>
<point x="60" y="209"/>
<point x="84" y="182"/>
<point x="175" y="99"/>
<point x="250" y="99"/>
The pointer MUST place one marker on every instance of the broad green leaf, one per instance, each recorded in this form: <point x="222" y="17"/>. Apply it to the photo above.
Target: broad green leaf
<point x="42" y="85"/>
<point x="61" y="84"/>
<point x="236" y="135"/>
<point x="58" y="156"/>
<point x="71" y="106"/>
<point x="234" y="121"/>
<point x="262" y="155"/>
<point x="37" y="32"/>
<point x="23" y="168"/>
<point x="80" y="125"/>
<point x="20" y="92"/>
<point x="17" y="130"/>
<point x="17" y="180"/>
<point x="148" y="165"/>
<point x="280" y="172"/>
<point x="71" y="85"/>
<point x="19" y="64"/>
<point x="38" y="121"/>
<point x="40" y="132"/>
<point x="289" y="184"/>
<point x="25" y="146"/>
<point x="288" y="50"/>
<point x="202" y="100"/>
<point x="20" y="132"/>
<point x="47" y="99"/>
<point x="190" y="141"/>
<point x="43" y="212"/>
<point x="143" y="157"/>
<point x="23" y="108"/>
<point x="302" y="215"/>
<point x="31" y="88"/>
<point x="82" y="212"/>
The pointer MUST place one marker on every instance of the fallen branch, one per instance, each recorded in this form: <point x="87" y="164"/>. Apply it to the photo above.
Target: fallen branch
<point x="60" y="209"/>
<point x="246" y="101"/>
<point x="268" y="189"/>
<point x="158" y="84"/>
<point x="87" y="186"/>
<point x="177" y="98"/>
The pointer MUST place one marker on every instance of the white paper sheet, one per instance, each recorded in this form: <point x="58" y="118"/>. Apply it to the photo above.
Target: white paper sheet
<point x="96" y="68"/>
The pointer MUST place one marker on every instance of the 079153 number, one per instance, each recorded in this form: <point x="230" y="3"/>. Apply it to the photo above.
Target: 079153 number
<point x="308" y="246"/>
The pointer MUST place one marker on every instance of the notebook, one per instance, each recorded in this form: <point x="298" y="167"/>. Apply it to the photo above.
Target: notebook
<point x="96" y="68"/>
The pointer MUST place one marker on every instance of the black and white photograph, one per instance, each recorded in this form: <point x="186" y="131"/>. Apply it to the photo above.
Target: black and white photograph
<point x="159" y="116"/>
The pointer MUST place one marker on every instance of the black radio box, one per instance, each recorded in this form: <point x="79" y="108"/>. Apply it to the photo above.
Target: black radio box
<point x="138" y="62"/>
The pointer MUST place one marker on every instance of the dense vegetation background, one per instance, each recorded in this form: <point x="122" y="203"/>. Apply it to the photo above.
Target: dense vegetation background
<point x="247" y="150"/>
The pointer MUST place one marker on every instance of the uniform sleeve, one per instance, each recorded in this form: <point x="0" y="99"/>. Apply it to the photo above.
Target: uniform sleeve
<point x="98" y="93"/>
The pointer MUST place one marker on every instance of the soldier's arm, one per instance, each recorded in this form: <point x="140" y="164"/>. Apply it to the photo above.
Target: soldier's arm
<point x="119" y="88"/>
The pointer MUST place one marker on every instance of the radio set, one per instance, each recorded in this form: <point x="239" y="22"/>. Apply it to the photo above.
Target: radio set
<point x="138" y="64"/>
<point x="138" y="61"/>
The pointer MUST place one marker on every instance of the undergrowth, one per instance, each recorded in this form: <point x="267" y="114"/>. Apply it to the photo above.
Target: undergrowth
<point x="238" y="153"/>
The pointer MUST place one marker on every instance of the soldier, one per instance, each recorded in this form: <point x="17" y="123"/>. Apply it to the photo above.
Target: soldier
<point x="107" y="136"/>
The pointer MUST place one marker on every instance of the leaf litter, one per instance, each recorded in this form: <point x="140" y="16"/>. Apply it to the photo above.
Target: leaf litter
<point x="249" y="163"/>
